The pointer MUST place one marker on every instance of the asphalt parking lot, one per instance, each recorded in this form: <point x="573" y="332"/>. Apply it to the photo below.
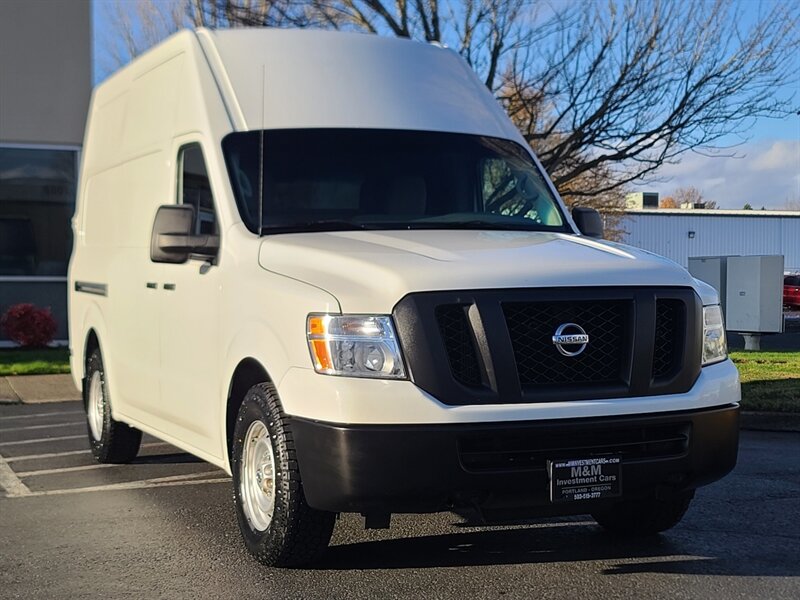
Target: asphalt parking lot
<point x="164" y="527"/>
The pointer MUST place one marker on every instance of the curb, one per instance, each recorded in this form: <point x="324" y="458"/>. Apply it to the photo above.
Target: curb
<point x="769" y="421"/>
<point x="7" y="393"/>
<point x="37" y="389"/>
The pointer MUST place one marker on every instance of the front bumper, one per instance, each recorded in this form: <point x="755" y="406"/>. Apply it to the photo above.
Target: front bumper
<point x="499" y="468"/>
<point x="307" y="394"/>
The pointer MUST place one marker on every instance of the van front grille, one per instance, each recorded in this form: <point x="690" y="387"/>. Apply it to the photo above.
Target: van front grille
<point x="496" y="346"/>
<point x="531" y="326"/>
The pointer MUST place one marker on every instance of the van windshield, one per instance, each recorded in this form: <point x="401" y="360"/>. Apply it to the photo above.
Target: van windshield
<point x="343" y="179"/>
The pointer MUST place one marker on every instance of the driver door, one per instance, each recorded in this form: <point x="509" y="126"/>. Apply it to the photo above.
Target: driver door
<point x="189" y="318"/>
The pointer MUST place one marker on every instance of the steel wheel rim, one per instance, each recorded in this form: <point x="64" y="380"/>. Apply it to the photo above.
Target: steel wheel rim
<point x="96" y="408"/>
<point x="257" y="477"/>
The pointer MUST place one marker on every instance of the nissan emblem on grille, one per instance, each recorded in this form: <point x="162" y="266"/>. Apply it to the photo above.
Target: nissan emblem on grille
<point x="570" y="334"/>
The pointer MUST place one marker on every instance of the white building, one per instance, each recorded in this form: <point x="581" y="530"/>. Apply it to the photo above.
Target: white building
<point x="45" y="83"/>
<point x="681" y="234"/>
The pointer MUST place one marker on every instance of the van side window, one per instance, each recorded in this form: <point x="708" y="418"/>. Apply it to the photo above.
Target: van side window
<point x="194" y="189"/>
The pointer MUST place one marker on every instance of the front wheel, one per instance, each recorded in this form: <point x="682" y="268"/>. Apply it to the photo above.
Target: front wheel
<point x="110" y="440"/>
<point x="644" y="517"/>
<point x="278" y="526"/>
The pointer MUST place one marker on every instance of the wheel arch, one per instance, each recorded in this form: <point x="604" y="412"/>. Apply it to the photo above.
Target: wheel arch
<point x="248" y="372"/>
<point x="92" y="336"/>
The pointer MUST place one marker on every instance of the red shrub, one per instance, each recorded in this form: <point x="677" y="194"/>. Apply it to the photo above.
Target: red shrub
<point x="28" y="326"/>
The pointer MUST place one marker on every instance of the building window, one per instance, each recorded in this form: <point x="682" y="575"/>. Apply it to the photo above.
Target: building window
<point x="37" y="200"/>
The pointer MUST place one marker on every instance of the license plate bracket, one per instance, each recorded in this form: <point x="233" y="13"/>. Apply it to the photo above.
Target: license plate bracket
<point x="578" y="479"/>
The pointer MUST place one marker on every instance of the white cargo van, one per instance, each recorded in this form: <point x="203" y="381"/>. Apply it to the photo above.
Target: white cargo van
<point x="329" y="264"/>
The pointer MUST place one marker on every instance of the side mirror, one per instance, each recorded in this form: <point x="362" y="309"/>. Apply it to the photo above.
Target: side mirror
<point x="173" y="239"/>
<point x="589" y="221"/>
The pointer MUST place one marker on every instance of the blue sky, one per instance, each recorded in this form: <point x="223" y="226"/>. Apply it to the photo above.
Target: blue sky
<point x="764" y="172"/>
<point x="766" y="168"/>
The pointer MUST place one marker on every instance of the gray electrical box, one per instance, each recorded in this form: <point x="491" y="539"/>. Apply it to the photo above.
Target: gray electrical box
<point x="754" y="294"/>
<point x="714" y="271"/>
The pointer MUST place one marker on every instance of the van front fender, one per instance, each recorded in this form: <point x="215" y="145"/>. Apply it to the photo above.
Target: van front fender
<point x="256" y="341"/>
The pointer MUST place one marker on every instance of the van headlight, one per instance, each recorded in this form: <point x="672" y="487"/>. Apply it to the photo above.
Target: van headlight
<point x="715" y="348"/>
<point x="355" y="346"/>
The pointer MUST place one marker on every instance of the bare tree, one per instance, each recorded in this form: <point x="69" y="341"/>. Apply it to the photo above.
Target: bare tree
<point x="255" y="13"/>
<point x="691" y="195"/>
<point x="138" y="25"/>
<point x="635" y="85"/>
<point x="687" y="195"/>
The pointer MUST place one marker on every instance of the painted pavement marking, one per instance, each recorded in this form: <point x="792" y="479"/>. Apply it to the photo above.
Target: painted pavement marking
<point x="27" y="427"/>
<point x="10" y="483"/>
<point x="174" y="480"/>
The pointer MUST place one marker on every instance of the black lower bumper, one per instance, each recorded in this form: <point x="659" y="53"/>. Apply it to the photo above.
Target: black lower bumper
<point x="501" y="467"/>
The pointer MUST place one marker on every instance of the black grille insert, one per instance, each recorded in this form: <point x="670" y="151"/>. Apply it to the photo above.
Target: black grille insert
<point x="539" y="363"/>
<point x="670" y="321"/>
<point x="459" y="343"/>
<point x="510" y="451"/>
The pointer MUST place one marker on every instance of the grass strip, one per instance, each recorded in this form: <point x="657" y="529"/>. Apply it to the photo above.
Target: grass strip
<point x="770" y="380"/>
<point x="45" y="361"/>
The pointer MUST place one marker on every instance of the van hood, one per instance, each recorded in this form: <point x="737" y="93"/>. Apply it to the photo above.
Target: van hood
<point x="370" y="271"/>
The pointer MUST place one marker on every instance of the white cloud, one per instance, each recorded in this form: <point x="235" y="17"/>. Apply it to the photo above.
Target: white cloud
<point x="782" y="154"/>
<point x="764" y="173"/>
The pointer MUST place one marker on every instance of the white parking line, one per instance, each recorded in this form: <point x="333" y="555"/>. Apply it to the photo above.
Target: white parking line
<point x="175" y="480"/>
<point x="69" y="453"/>
<point x="39" y="415"/>
<point x="187" y="476"/>
<point x="21" y="474"/>
<point x="9" y="482"/>
<point x="43" y="440"/>
<point x="70" y="424"/>
<point x="134" y="485"/>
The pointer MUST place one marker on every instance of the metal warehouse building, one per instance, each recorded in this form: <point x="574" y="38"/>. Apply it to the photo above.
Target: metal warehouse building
<point x="680" y="234"/>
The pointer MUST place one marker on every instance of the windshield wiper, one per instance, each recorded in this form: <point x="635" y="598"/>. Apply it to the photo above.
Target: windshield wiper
<point x="319" y="225"/>
<point x="475" y="224"/>
<point x="341" y="225"/>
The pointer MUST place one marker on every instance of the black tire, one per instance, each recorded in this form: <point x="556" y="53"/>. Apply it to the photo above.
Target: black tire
<point x="644" y="517"/>
<point x="297" y="534"/>
<point x="118" y="443"/>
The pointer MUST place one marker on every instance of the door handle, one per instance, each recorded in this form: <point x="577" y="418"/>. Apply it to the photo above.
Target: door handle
<point x="169" y="286"/>
<point x="151" y="285"/>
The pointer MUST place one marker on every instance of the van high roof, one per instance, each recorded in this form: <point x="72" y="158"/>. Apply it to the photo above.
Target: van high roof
<point x="323" y="79"/>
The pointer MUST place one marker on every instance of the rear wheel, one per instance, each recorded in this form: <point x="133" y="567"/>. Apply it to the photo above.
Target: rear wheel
<point x="278" y="526"/>
<point x="644" y="517"/>
<point x="110" y="440"/>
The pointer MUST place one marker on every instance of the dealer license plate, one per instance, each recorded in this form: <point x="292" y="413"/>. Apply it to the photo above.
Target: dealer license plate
<point x="585" y="479"/>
